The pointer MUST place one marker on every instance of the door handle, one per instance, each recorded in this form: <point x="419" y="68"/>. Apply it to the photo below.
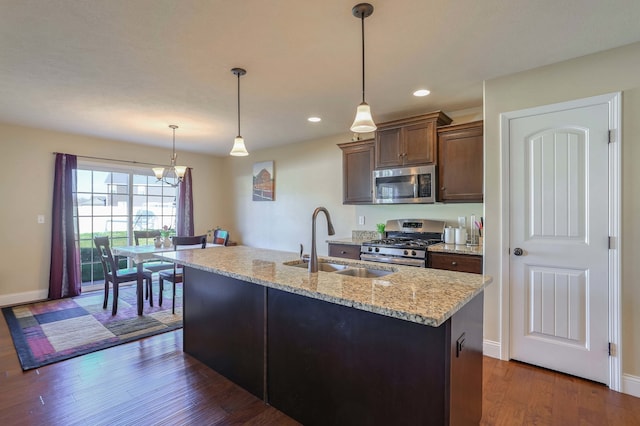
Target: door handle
<point x="517" y="251"/>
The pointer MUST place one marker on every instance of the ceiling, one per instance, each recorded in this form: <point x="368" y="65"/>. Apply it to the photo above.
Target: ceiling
<point x="126" y="69"/>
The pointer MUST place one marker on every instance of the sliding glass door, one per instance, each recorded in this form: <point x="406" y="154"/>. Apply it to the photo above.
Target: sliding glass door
<point x="112" y="202"/>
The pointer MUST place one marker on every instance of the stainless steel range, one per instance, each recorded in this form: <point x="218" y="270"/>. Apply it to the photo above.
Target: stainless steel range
<point x="405" y="243"/>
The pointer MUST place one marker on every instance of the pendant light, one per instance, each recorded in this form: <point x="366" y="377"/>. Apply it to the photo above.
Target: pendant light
<point x="177" y="171"/>
<point x="363" y="122"/>
<point x="238" y="150"/>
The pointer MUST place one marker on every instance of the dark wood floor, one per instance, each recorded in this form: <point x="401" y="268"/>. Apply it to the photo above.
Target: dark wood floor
<point x="153" y="382"/>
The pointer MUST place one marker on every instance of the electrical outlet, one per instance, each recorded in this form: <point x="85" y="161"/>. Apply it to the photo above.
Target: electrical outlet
<point x="360" y="220"/>
<point x="40" y="218"/>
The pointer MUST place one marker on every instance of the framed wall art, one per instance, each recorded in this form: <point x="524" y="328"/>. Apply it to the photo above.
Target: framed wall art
<point x="263" y="181"/>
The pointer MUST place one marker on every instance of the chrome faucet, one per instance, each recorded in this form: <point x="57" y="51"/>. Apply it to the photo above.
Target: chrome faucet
<point x="313" y="260"/>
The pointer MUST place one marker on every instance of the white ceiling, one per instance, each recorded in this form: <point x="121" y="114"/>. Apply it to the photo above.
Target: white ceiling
<point x="126" y="69"/>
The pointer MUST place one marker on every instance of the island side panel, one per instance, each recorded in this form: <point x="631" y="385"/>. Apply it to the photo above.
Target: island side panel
<point x="224" y="324"/>
<point x="331" y="364"/>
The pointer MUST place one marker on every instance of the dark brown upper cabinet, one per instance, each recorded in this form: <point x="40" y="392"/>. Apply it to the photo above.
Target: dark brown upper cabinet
<point x="460" y="162"/>
<point x="408" y="141"/>
<point x="357" y="168"/>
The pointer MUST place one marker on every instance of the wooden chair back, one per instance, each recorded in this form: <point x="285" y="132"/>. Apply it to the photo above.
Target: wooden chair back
<point x="138" y="235"/>
<point x="220" y="236"/>
<point x="106" y="258"/>
<point x="190" y="241"/>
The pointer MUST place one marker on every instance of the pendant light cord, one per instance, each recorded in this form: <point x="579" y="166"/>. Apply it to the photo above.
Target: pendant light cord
<point x="238" y="104"/>
<point x="362" y="19"/>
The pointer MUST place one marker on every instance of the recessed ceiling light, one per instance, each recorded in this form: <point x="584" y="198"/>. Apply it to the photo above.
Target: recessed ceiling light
<point x="421" y="92"/>
<point x="314" y="119"/>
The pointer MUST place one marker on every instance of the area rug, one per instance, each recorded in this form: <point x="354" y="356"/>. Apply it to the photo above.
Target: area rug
<point x="52" y="331"/>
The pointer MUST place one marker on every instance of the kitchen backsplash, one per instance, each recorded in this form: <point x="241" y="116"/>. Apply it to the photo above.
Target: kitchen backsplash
<point x="364" y="235"/>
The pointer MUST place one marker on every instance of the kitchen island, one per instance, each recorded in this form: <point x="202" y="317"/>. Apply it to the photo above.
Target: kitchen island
<point x="328" y="348"/>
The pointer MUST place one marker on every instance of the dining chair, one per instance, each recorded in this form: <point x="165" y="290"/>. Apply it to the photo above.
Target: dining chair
<point x="220" y="236"/>
<point x="152" y="265"/>
<point x="113" y="274"/>
<point x="176" y="276"/>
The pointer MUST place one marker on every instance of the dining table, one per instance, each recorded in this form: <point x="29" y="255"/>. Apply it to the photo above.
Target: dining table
<point x="144" y="253"/>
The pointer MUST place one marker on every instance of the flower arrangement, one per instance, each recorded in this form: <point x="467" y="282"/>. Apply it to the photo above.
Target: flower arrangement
<point x="166" y="231"/>
<point x="380" y="227"/>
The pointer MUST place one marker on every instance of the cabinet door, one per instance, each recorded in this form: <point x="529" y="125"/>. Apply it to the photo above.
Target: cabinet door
<point x="419" y="144"/>
<point x="460" y="163"/>
<point x="357" y="168"/>
<point x="348" y="251"/>
<point x="389" y="148"/>
<point x="456" y="262"/>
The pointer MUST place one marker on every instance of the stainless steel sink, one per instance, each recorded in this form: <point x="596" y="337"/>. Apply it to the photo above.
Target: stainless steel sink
<point x="351" y="270"/>
<point x="322" y="266"/>
<point x="364" y="272"/>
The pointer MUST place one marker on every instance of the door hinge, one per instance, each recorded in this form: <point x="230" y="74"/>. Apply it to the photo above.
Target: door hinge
<point x="612" y="135"/>
<point x="611" y="349"/>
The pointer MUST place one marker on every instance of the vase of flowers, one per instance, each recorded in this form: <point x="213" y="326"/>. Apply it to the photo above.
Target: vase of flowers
<point x="380" y="227"/>
<point x="166" y="233"/>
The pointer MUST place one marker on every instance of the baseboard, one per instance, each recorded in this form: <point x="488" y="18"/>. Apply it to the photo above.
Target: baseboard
<point x="491" y="348"/>
<point x="631" y="385"/>
<point x="26" y="297"/>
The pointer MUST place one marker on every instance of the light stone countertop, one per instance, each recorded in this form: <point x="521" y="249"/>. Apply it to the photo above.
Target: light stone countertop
<point x="421" y="295"/>
<point x="456" y="249"/>
<point x="350" y="241"/>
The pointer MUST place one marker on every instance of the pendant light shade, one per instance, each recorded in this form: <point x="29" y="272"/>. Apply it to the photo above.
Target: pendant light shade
<point x="363" y="122"/>
<point x="239" y="150"/>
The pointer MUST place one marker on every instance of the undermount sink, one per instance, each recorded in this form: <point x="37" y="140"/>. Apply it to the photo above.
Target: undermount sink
<point x="364" y="272"/>
<point x="322" y="266"/>
<point x="351" y="270"/>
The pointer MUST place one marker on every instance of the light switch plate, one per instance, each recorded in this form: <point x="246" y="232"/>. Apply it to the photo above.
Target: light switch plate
<point x="360" y="220"/>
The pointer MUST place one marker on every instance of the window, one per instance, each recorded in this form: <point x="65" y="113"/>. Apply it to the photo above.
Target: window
<point x="112" y="202"/>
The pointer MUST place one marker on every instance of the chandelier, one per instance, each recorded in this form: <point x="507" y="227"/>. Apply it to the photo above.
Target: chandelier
<point x="175" y="174"/>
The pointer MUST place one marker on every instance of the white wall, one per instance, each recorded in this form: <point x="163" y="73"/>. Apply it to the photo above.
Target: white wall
<point x="605" y="72"/>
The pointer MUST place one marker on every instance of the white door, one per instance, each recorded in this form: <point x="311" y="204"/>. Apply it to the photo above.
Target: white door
<point x="559" y="240"/>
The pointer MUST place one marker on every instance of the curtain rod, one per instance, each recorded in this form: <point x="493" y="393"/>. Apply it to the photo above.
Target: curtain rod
<point x="116" y="160"/>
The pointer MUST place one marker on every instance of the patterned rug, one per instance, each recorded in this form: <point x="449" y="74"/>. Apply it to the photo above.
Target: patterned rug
<point x="52" y="331"/>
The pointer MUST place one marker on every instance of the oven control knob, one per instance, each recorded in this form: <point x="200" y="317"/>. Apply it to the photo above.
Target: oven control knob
<point x="377" y="249"/>
<point x="413" y="253"/>
<point x="406" y="252"/>
<point x="370" y="249"/>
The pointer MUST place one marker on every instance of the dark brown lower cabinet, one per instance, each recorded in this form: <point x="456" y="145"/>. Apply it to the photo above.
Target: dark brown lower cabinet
<point x="455" y="262"/>
<point x="332" y="364"/>
<point x="348" y="251"/>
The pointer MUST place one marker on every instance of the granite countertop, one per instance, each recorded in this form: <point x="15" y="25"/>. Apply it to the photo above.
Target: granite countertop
<point x="456" y="249"/>
<point x="420" y="295"/>
<point x="350" y="241"/>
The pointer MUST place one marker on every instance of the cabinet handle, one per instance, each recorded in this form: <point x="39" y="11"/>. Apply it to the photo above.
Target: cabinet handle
<point x="443" y="189"/>
<point x="343" y="252"/>
<point x="454" y="263"/>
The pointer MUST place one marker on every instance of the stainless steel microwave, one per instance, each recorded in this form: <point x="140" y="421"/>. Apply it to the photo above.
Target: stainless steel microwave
<point x="405" y="185"/>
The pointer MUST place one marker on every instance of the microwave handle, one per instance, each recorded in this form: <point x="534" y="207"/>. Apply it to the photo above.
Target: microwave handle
<point x="414" y="180"/>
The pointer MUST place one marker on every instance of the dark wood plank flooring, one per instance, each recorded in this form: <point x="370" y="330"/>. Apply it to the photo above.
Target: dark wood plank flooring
<point x="153" y="382"/>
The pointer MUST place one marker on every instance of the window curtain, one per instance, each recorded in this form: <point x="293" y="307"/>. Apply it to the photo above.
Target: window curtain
<point x="184" y="215"/>
<point x="64" y="272"/>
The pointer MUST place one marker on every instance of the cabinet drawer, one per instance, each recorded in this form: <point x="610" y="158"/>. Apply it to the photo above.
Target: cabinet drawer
<point x="456" y="262"/>
<point x="348" y="251"/>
